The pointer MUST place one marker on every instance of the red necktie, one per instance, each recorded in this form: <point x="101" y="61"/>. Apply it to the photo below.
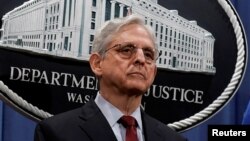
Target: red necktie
<point x="130" y="124"/>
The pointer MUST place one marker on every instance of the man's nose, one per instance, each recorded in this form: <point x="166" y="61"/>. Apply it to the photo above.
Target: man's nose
<point x="139" y="55"/>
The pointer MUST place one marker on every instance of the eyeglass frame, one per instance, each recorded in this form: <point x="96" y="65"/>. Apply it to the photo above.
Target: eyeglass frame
<point x="134" y="51"/>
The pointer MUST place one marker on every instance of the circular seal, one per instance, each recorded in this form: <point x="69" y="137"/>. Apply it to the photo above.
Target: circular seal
<point x="44" y="66"/>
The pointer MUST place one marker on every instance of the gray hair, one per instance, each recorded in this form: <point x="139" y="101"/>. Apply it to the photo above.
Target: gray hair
<point x="105" y="34"/>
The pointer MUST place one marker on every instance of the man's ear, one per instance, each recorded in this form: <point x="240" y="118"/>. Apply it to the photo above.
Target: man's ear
<point x="95" y="63"/>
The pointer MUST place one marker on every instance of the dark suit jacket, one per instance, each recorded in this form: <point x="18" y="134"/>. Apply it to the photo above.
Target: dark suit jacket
<point x="89" y="124"/>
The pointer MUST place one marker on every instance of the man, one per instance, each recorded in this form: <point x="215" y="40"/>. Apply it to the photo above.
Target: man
<point x="123" y="59"/>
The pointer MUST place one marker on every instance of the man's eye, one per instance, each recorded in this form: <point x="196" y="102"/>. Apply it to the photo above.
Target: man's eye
<point x="149" y="54"/>
<point x="126" y="49"/>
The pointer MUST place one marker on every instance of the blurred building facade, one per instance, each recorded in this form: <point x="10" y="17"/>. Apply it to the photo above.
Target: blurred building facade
<point x="67" y="27"/>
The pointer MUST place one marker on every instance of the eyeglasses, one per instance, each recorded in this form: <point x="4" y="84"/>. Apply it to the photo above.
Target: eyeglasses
<point x="127" y="50"/>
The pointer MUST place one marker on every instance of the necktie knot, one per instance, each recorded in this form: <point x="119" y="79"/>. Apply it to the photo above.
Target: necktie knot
<point x="128" y="121"/>
<point x="130" y="124"/>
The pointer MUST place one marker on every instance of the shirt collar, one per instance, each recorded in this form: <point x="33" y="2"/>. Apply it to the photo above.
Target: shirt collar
<point x="113" y="114"/>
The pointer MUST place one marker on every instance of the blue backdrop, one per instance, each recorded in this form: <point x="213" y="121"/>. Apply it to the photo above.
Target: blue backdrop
<point x="16" y="127"/>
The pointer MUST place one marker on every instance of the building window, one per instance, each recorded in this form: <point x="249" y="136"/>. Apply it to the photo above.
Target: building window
<point x="91" y="38"/>
<point x="70" y="3"/>
<point x="93" y="15"/>
<point x="66" y="39"/>
<point x="92" y="25"/>
<point x="90" y="49"/>
<point x="58" y="6"/>
<point x="54" y="8"/>
<point x="69" y="46"/>
<point x="125" y="11"/>
<point x="117" y="10"/>
<point x="64" y="14"/>
<point x="94" y="3"/>
<point x="107" y="11"/>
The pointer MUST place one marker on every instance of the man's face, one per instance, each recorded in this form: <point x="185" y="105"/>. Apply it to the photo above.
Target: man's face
<point x="129" y="74"/>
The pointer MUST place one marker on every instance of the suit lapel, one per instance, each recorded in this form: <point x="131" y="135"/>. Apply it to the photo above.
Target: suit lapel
<point x="150" y="128"/>
<point x="95" y="124"/>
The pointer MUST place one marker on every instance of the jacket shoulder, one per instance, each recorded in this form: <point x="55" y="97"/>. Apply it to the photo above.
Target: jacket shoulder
<point x="162" y="129"/>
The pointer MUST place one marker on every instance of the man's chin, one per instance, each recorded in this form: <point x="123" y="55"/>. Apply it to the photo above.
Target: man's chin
<point x="138" y="86"/>
<point x="138" y="90"/>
